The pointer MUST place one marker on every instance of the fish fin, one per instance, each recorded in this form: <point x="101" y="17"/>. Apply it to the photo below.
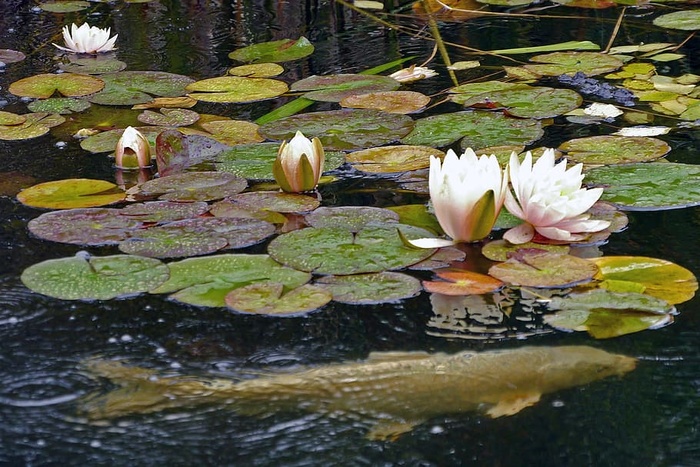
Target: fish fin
<point x="513" y="405"/>
<point x="378" y="357"/>
<point x="390" y="430"/>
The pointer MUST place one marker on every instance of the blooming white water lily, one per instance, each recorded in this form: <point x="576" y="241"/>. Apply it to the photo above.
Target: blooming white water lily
<point x="467" y="193"/>
<point x="87" y="40"/>
<point x="550" y="200"/>
<point x="412" y="73"/>
<point x="133" y="150"/>
<point x="299" y="164"/>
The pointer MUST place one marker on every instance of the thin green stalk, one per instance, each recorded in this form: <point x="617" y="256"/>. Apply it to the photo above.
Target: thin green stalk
<point x="435" y="31"/>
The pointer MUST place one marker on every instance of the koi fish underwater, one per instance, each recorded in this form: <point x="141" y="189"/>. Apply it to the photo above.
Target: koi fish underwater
<point x="394" y="391"/>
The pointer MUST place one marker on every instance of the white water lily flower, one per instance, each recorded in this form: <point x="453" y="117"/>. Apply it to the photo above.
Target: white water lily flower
<point x="299" y="164"/>
<point x="467" y="194"/>
<point x="412" y="73"/>
<point x="133" y="150"/>
<point x="550" y="200"/>
<point x="87" y="40"/>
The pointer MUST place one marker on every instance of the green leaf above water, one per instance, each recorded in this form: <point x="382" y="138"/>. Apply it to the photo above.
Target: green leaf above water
<point x="270" y="298"/>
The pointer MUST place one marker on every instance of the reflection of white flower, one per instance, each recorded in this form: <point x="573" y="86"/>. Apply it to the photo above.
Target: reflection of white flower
<point x="412" y="73"/>
<point x="467" y="194"/>
<point x="299" y="164"/>
<point x="87" y="40"/>
<point x="550" y="200"/>
<point x="133" y="150"/>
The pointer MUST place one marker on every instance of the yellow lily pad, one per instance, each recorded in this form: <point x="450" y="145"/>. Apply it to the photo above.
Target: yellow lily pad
<point x="8" y="118"/>
<point x="399" y="102"/>
<point x="71" y="193"/>
<point x="387" y="159"/>
<point x="34" y="125"/>
<point x="44" y="85"/>
<point x="257" y="70"/>
<point x="270" y="298"/>
<point x="236" y="89"/>
<point x="233" y="132"/>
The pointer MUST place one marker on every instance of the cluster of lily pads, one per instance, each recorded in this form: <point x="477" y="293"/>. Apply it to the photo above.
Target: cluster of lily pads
<point x="215" y="192"/>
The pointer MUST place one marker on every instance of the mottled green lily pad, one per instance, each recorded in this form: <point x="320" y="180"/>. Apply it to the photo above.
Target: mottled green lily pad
<point x="387" y="159"/>
<point x="71" y="193"/>
<point x="342" y="129"/>
<point x="275" y="201"/>
<point x="478" y="129"/>
<point x="233" y="132"/>
<point x="138" y="87"/>
<point x="569" y="63"/>
<point x="544" y="270"/>
<point x="8" y="118"/>
<point x="350" y="218"/>
<point x="64" y="6"/>
<point x="236" y="89"/>
<point x="338" y="251"/>
<point x="164" y="211"/>
<point x="34" y="125"/>
<point x="648" y="186"/>
<point x="686" y="20"/>
<point x="609" y="150"/>
<point x="399" y="102"/>
<point x="334" y="88"/>
<point x="169" y="117"/>
<point x="529" y="101"/>
<point x="92" y="65"/>
<point x="85" y="277"/>
<point x="59" y="105"/>
<point x="498" y="250"/>
<point x="284" y="50"/>
<point x="194" y="186"/>
<point x="270" y="298"/>
<point x="257" y="70"/>
<point x="89" y="226"/>
<point x="206" y="281"/>
<point x="371" y="289"/>
<point x="461" y="94"/>
<point x="44" y="85"/>
<point x="11" y="56"/>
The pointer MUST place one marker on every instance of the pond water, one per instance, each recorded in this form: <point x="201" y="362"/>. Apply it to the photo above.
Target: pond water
<point x="648" y="417"/>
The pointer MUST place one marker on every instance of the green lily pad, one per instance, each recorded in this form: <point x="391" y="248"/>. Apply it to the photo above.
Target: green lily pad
<point x="45" y="85"/>
<point x="92" y="65"/>
<point x="257" y="70"/>
<point x="138" y="87"/>
<point x="614" y="149"/>
<point x="371" y="289"/>
<point x="34" y="125"/>
<point x="648" y="186"/>
<point x="85" y="277"/>
<point x="545" y="270"/>
<point x="8" y="118"/>
<point x="234" y="89"/>
<point x="194" y="186"/>
<point x="342" y="129"/>
<point x="270" y="298"/>
<point x="275" y="201"/>
<point x="652" y="276"/>
<point x="529" y="101"/>
<point x="11" y="56"/>
<point x="387" y="159"/>
<point x="206" y="281"/>
<point x="350" y="218"/>
<point x="169" y="117"/>
<point x="164" y="211"/>
<point x="284" y="50"/>
<point x="233" y="132"/>
<point x="338" y="251"/>
<point x="499" y="250"/>
<point x="479" y="130"/>
<point x="334" y="88"/>
<point x="418" y="215"/>
<point x="461" y="94"/>
<point x="686" y="20"/>
<point x="59" y="105"/>
<point x="399" y="102"/>
<point x="89" y="226"/>
<point x="71" y="193"/>
<point x="64" y="6"/>
<point x="569" y="63"/>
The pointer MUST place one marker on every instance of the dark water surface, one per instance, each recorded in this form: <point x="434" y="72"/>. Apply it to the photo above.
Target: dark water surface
<point x="649" y="417"/>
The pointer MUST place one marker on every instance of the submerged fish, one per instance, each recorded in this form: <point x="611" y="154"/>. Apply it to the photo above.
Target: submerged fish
<point x="393" y="390"/>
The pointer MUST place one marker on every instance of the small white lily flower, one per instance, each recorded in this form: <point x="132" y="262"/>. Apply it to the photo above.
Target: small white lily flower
<point x="413" y="73"/>
<point x="133" y="150"/>
<point x="299" y="164"/>
<point x="550" y="200"/>
<point x="87" y="40"/>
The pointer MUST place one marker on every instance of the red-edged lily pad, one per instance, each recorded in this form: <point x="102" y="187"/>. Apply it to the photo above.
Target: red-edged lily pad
<point x="462" y="282"/>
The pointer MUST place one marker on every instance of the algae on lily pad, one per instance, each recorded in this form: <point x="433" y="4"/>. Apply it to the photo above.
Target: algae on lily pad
<point x="614" y="149"/>
<point x="544" y="269"/>
<point x="138" y="87"/>
<point x="194" y="186"/>
<point x="88" y="226"/>
<point x="388" y="159"/>
<point x="284" y="50"/>
<point x="271" y="298"/>
<point x="45" y="85"/>
<point x="235" y="89"/>
<point x="71" y="193"/>
<point x="86" y="277"/>
<point x="371" y="289"/>
<point x="335" y="88"/>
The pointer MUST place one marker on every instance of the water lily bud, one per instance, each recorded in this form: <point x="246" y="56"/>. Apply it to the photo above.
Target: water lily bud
<point x="87" y="40"/>
<point x="299" y="164"/>
<point x="133" y="150"/>
<point x="412" y="73"/>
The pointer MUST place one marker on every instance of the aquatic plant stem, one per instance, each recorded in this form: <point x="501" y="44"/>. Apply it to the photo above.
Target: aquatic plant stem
<point x="615" y="30"/>
<point x="435" y="31"/>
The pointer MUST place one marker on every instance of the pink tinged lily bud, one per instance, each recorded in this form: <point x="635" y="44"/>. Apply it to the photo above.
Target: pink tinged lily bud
<point x="550" y="200"/>
<point x="133" y="150"/>
<point x="467" y="194"/>
<point x="299" y="164"/>
<point x="87" y="40"/>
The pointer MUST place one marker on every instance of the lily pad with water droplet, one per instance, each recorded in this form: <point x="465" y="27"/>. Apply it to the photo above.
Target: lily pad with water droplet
<point x="462" y="282"/>
<point x="648" y="186"/>
<point x="342" y="129"/>
<point x="89" y="226"/>
<point x="8" y="118"/>
<point x="276" y="201"/>
<point x="544" y="270"/>
<point x="686" y="20"/>
<point x="71" y="193"/>
<point x="656" y="277"/>
<point x="169" y="117"/>
<point x="44" y="85"/>
<point x="614" y="149"/>
<point x="164" y="211"/>
<point x="138" y="87"/>
<point x="85" y="277"/>
<point x="371" y="289"/>
<point x="400" y="102"/>
<point x="335" y="88"/>
<point x="271" y="298"/>
<point x="569" y="63"/>
<point x="338" y="251"/>
<point x="59" y="105"/>
<point x="529" y="101"/>
<point x="388" y="159"/>
<point x="235" y="89"/>
<point x="194" y="186"/>
<point x="34" y="125"/>
<point x="206" y="281"/>
<point x="284" y="50"/>
<point x="350" y="218"/>
<point x="499" y="250"/>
